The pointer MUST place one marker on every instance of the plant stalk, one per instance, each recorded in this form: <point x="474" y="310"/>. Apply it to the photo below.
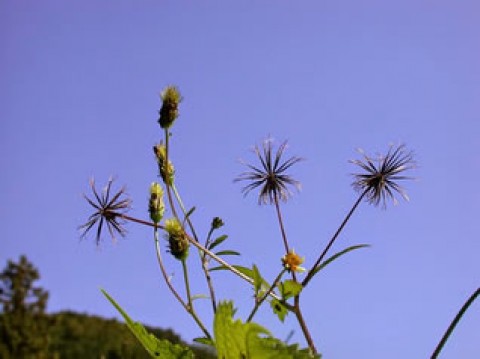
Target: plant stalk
<point x="454" y="323"/>
<point x="311" y="272"/>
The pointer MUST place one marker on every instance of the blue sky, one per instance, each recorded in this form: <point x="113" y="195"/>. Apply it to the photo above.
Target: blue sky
<point x="79" y="98"/>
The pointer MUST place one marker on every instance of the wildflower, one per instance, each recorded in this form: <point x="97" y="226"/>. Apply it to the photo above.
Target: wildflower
<point x="291" y="261"/>
<point x="167" y="172"/>
<point x="107" y="211"/>
<point x="169" y="111"/>
<point x="177" y="239"/>
<point x="381" y="173"/>
<point x="156" y="207"/>
<point x="270" y="176"/>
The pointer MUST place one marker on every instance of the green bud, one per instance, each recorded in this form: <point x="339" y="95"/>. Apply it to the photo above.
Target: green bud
<point x="169" y="111"/>
<point x="177" y="239"/>
<point x="167" y="172"/>
<point x="156" y="207"/>
<point x="217" y="223"/>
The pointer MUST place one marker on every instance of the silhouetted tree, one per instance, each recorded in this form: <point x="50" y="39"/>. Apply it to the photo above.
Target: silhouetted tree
<point x="23" y="325"/>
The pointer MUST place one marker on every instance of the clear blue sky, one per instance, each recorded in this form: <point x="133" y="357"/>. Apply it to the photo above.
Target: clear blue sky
<point x="79" y="97"/>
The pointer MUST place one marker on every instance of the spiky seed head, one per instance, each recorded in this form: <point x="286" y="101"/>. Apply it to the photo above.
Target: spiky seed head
<point x="270" y="176"/>
<point x="379" y="182"/>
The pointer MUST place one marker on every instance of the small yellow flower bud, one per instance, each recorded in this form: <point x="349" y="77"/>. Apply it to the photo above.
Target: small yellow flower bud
<point x="167" y="172"/>
<point x="291" y="261"/>
<point x="169" y="111"/>
<point x="177" y="239"/>
<point x="156" y="207"/>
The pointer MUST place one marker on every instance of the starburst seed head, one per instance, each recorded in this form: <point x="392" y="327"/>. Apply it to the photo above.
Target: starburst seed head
<point x="107" y="210"/>
<point x="379" y="182"/>
<point x="270" y="176"/>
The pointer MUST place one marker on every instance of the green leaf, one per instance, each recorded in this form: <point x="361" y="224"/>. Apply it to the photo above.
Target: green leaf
<point x="257" y="279"/>
<point x="200" y="296"/>
<point x="217" y="241"/>
<point x="338" y="255"/>
<point x="279" y="309"/>
<point x="155" y="347"/>
<point x="289" y="288"/>
<point x="189" y="213"/>
<point x="244" y="270"/>
<point x="227" y="253"/>
<point x="234" y="339"/>
<point x="204" y="340"/>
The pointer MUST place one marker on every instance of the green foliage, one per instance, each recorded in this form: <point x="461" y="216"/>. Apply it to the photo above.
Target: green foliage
<point x="22" y="323"/>
<point x="279" y="309"/>
<point x="234" y="339"/>
<point x="79" y="336"/>
<point x="338" y="255"/>
<point x="155" y="347"/>
<point x="289" y="289"/>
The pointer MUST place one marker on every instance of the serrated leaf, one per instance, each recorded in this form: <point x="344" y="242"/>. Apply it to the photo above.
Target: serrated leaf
<point x="279" y="309"/>
<point x="227" y="253"/>
<point x="155" y="347"/>
<point x="338" y="255"/>
<point x="289" y="288"/>
<point x="234" y="339"/>
<point x="217" y="241"/>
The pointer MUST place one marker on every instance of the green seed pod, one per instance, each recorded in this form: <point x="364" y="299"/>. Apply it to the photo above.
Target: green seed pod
<point x="156" y="207"/>
<point x="169" y="111"/>
<point x="167" y="172"/>
<point x="177" y="239"/>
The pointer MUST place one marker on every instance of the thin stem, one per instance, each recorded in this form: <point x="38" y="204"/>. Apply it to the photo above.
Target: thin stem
<point x="280" y="222"/>
<point x="258" y="302"/>
<point x="202" y="254"/>
<point x="168" y="175"/>
<point x="282" y="230"/>
<point x="187" y="284"/>
<point x="198" y="246"/>
<point x="454" y="323"/>
<point x="164" y="272"/>
<point x="303" y="325"/>
<point x="311" y="272"/>
<point x="186" y="306"/>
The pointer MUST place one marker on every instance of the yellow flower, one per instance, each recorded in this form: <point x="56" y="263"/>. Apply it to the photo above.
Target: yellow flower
<point x="291" y="261"/>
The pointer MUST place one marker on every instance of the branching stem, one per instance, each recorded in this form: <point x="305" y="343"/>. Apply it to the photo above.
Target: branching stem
<point x="311" y="272"/>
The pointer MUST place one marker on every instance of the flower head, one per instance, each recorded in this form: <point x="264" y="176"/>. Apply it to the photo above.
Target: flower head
<point x="379" y="181"/>
<point x="291" y="261"/>
<point x="167" y="172"/>
<point x="270" y="176"/>
<point x="107" y="210"/>
<point x="169" y="111"/>
<point x="177" y="239"/>
<point x="156" y="206"/>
